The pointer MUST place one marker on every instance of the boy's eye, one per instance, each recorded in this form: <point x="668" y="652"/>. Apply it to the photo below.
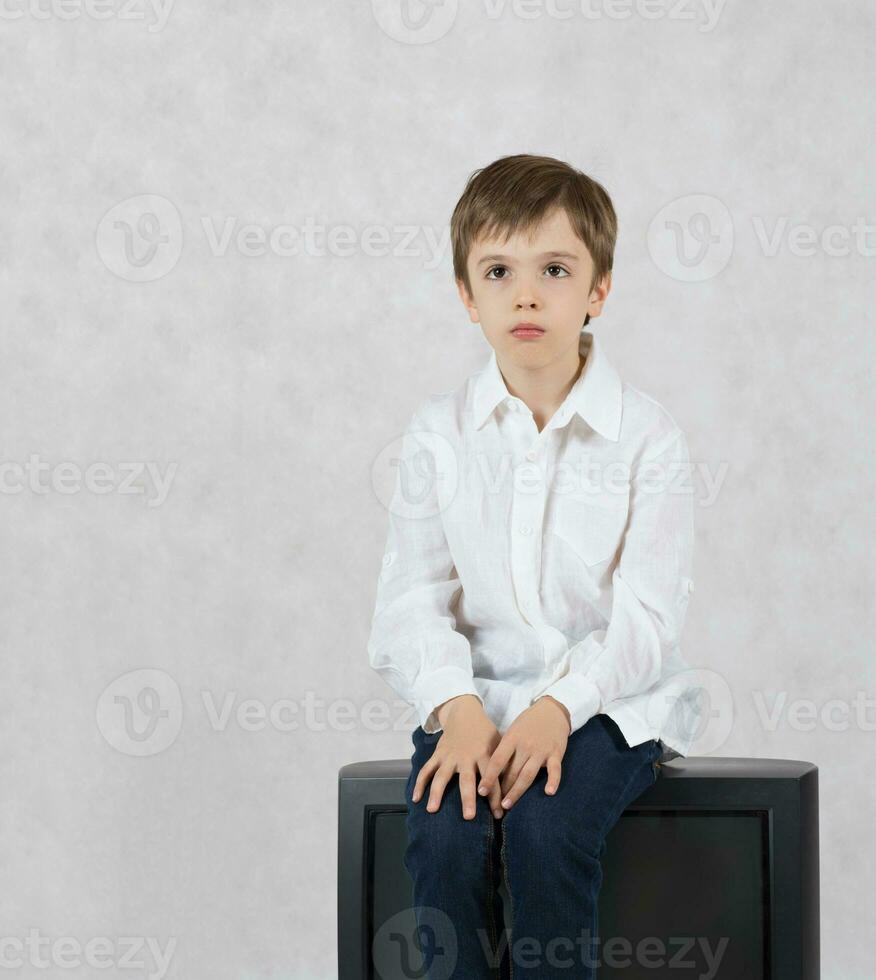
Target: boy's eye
<point x="494" y="268"/>
<point x="561" y="268"/>
<point x="504" y="269"/>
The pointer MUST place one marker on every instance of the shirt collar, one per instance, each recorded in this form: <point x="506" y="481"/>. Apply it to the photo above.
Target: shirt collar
<point x="597" y="395"/>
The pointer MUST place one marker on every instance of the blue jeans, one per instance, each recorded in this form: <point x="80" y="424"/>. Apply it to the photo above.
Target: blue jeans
<point x="547" y="847"/>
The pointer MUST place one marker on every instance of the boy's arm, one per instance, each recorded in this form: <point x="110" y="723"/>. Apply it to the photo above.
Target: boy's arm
<point x="650" y="590"/>
<point x="414" y="644"/>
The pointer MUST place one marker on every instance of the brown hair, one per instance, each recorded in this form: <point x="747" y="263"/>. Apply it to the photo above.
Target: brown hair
<point x="515" y="193"/>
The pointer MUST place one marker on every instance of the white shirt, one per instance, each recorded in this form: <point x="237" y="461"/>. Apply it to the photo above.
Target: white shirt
<point x="521" y="563"/>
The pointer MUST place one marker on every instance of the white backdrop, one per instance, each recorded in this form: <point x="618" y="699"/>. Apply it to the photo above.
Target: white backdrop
<point x="226" y="282"/>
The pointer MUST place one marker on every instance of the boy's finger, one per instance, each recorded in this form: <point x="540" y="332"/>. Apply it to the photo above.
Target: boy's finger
<point x="516" y="791"/>
<point x="509" y="775"/>
<point x="554" y="772"/>
<point x="467" y="792"/>
<point x="424" y="775"/>
<point x="439" y="781"/>
<point x="496" y="801"/>
<point x="524" y="781"/>
<point x="495" y="791"/>
<point x="498" y="760"/>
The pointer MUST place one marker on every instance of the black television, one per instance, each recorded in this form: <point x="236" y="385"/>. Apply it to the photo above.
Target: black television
<point x="726" y="882"/>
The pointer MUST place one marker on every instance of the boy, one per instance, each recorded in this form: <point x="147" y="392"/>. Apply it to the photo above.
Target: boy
<point x="536" y="577"/>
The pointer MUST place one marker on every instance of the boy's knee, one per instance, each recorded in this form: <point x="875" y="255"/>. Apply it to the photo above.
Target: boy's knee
<point x="539" y="828"/>
<point x="447" y="838"/>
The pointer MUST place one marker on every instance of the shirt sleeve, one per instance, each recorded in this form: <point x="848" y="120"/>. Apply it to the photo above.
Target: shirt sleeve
<point x="414" y="644"/>
<point x="650" y="586"/>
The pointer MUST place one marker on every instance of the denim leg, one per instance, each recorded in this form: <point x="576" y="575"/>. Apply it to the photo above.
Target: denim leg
<point x="455" y="869"/>
<point x="552" y="846"/>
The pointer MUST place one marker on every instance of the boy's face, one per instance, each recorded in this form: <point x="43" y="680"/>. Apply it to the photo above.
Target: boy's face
<point x="522" y="281"/>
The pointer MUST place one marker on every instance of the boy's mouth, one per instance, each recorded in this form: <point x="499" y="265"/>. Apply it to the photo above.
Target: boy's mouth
<point x="524" y="330"/>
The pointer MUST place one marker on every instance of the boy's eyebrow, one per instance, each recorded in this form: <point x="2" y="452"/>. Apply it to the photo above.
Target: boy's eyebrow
<point x="542" y="257"/>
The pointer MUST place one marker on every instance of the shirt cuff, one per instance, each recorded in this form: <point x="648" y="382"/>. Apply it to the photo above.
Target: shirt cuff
<point x="433" y="689"/>
<point x="580" y="696"/>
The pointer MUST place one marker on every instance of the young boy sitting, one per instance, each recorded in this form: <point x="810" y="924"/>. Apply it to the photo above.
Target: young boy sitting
<point x="536" y="576"/>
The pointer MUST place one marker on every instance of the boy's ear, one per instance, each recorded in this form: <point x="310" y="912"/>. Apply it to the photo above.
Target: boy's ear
<point x="599" y="294"/>
<point x="467" y="301"/>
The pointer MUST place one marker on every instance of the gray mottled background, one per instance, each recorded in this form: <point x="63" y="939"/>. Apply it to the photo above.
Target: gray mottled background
<point x="226" y="282"/>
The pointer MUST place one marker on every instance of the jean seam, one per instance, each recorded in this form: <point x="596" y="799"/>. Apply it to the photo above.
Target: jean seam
<point x="510" y="900"/>
<point x="490" y="889"/>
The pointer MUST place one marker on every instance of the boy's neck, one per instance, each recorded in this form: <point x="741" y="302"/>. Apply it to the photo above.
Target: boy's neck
<point x="543" y="391"/>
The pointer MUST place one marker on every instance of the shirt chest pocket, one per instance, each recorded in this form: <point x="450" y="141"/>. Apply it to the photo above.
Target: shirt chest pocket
<point x="591" y="522"/>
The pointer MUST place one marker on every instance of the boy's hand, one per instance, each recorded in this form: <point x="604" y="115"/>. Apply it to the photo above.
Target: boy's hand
<point x="465" y="746"/>
<point x="537" y="737"/>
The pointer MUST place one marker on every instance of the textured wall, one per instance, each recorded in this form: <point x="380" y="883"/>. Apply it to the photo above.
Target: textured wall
<point x="225" y="284"/>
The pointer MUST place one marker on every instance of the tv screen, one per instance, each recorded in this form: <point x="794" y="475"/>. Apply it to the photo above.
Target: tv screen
<point x="655" y="863"/>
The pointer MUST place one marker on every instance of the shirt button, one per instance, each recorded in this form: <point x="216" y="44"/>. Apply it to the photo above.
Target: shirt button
<point x="389" y="558"/>
<point x="525" y="529"/>
<point x="532" y="455"/>
<point x="690" y="585"/>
